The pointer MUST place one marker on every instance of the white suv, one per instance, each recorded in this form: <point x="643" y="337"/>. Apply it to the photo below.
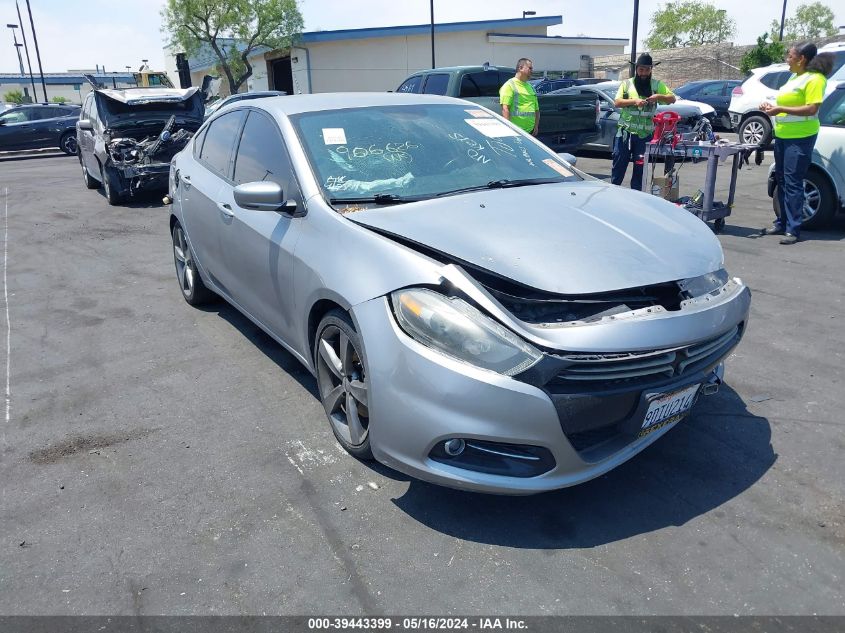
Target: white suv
<point x="751" y="124"/>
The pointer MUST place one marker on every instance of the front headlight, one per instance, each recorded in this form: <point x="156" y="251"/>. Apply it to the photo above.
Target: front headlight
<point x="455" y="328"/>
<point x="704" y="284"/>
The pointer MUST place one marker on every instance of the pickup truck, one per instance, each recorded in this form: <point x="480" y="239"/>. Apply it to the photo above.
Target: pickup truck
<point x="566" y="121"/>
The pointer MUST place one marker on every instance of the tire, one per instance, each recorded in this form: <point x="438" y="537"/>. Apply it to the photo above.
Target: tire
<point x="187" y="274"/>
<point x="819" y="201"/>
<point x="342" y="382"/>
<point x="755" y="130"/>
<point x="68" y="144"/>
<point x="108" y="178"/>
<point x="90" y="183"/>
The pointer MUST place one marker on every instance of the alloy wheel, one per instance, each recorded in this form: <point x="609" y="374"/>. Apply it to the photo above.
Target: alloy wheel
<point x="342" y="384"/>
<point x="185" y="266"/>
<point x="753" y="133"/>
<point x="812" y="200"/>
<point x="69" y="144"/>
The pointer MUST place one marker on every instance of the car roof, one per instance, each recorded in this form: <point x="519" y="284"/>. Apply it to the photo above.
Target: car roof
<point x="466" y="69"/>
<point x="297" y="104"/>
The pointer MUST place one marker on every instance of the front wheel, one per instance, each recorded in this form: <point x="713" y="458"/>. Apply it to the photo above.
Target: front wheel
<point x="343" y="383"/>
<point x="90" y="183"/>
<point x="109" y="178"/>
<point x="819" y="201"/>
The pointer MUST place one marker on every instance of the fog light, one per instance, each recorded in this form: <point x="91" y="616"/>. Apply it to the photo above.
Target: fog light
<point x="454" y="447"/>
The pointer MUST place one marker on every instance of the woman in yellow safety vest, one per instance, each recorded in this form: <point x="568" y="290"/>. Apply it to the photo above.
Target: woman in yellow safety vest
<point x="795" y="115"/>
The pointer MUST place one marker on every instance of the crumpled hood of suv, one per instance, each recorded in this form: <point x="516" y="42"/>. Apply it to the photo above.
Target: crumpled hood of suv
<point x="566" y="238"/>
<point x="150" y="95"/>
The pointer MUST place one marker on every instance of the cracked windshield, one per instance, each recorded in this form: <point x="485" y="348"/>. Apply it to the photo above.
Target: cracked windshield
<point x="405" y="153"/>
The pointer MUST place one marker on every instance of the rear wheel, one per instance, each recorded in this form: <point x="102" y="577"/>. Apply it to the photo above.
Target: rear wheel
<point x="819" y="201"/>
<point x="343" y="383"/>
<point x="187" y="275"/>
<point x="755" y="130"/>
<point x="68" y="143"/>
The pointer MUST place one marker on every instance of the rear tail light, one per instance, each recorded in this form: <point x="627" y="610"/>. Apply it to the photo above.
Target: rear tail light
<point x="736" y="92"/>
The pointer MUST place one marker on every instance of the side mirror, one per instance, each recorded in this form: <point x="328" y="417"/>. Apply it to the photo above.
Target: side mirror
<point x="84" y="124"/>
<point x="569" y="158"/>
<point x="263" y="196"/>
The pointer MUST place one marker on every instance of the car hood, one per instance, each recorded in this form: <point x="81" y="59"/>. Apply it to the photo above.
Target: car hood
<point x="566" y="238"/>
<point x="681" y="106"/>
<point x="133" y="96"/>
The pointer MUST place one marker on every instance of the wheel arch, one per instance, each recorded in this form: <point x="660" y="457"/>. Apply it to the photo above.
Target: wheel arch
<point x="817" y="169"/>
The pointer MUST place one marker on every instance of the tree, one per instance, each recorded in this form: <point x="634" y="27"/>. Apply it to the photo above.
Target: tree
<point x="810" y="22"/>
<point x="13" y="96"/>
<point x="763" y="54"/>
<point x="193" y="24"/>
<point x="689" y="23"/>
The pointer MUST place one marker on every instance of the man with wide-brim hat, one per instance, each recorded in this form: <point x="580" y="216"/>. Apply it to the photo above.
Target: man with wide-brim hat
<point x="637" y="99"/>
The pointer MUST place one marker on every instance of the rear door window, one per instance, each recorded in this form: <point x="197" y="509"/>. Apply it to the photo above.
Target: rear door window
<point x="436" y="84"/>
<point x="775" y="80"/>
<point x="832" y="111"/>
<point x="219" y="142"/>
<point x="483" y="84"/>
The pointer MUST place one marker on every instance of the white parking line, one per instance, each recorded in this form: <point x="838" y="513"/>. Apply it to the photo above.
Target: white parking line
<point x="6" y="303"/>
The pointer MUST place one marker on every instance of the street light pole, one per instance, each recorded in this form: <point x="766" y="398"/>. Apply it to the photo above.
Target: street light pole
<point x="12" y="28"/>
<point x="26" y="49"/>
<point x="782" y="20"/>
<point x="432" y="33"/>
<point x="633" y="69"/>
<point x="37" y="52"/>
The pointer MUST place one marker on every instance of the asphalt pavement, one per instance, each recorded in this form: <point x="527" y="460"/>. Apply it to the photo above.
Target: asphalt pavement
<point x="159" y="459"/>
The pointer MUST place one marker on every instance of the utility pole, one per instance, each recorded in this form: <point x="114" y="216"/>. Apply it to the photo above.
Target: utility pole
<point x="633" y="70"/>
<point x="25" y="48"/>
<point x="37" y="52"/>
<point x="782" y="20"/>
<point x="432" y="33"/>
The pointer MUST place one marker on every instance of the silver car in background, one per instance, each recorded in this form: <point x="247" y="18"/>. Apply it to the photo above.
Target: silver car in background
<point x="476" y="311"/>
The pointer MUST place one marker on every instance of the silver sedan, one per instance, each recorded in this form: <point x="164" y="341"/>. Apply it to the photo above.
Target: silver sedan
<point x="476" y="311"/>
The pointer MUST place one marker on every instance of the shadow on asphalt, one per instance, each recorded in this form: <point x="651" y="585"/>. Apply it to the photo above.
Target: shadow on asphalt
<point x="704" y="462"/>
<point x="269" y="347"/>
<point x="12" y="156"/>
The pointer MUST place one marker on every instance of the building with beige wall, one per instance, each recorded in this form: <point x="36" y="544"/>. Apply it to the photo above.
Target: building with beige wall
<point x="379" y="59"/>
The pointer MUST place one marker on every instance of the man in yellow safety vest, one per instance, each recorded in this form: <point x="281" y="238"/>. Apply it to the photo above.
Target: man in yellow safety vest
<point x="518" y="99"/>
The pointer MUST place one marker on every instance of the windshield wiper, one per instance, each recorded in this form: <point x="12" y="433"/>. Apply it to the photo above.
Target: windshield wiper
<point x="379" y="198"/>
<point x="502" y="184"/>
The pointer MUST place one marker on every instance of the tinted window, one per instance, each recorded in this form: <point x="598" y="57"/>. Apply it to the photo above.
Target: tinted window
<point x="436" y="84"/>
<point x="832" y="111"/>
<point x="219" y="141"/>
<point x="775" y="80"/>
<point x="15" y="116"/>
<point x="410" y="85"/>
<point x="480" y="85"/>
<point x="713" y="89"/>
<point x="261" y="153"/>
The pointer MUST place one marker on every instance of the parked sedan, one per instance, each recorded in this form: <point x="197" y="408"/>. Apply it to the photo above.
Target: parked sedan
<point x="39" y="126"/>
<point x="713" y="92"/>
<point x="692" y="114"/>
<point x="824" y="186"/>
<point x="476" y="311"/>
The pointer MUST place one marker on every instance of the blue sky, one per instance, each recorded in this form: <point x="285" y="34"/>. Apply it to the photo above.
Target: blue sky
<point x="74" y="34"/>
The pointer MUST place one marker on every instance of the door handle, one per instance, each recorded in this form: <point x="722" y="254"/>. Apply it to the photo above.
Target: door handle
<point x="184" y="178"/>
<point x="225" y="209"/>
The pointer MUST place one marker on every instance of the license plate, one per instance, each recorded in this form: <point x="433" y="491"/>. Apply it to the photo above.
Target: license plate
<point x="668" y="408"/>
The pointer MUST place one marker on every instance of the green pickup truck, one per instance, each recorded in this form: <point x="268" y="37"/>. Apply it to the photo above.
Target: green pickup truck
<point x="566" y="121"/>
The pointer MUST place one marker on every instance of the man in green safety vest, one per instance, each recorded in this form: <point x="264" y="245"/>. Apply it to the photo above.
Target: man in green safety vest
<point x="637" y="98"/>
<point x="518" y="99"/>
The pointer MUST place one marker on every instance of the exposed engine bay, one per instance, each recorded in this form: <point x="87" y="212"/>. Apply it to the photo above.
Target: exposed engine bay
<point x="126" y="151"/>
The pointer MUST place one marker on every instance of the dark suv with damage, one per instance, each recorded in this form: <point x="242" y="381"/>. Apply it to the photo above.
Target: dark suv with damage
<point x="127" y="137"/>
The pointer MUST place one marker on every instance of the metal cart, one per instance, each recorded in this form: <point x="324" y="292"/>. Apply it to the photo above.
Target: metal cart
<point x="713" y="153"/>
